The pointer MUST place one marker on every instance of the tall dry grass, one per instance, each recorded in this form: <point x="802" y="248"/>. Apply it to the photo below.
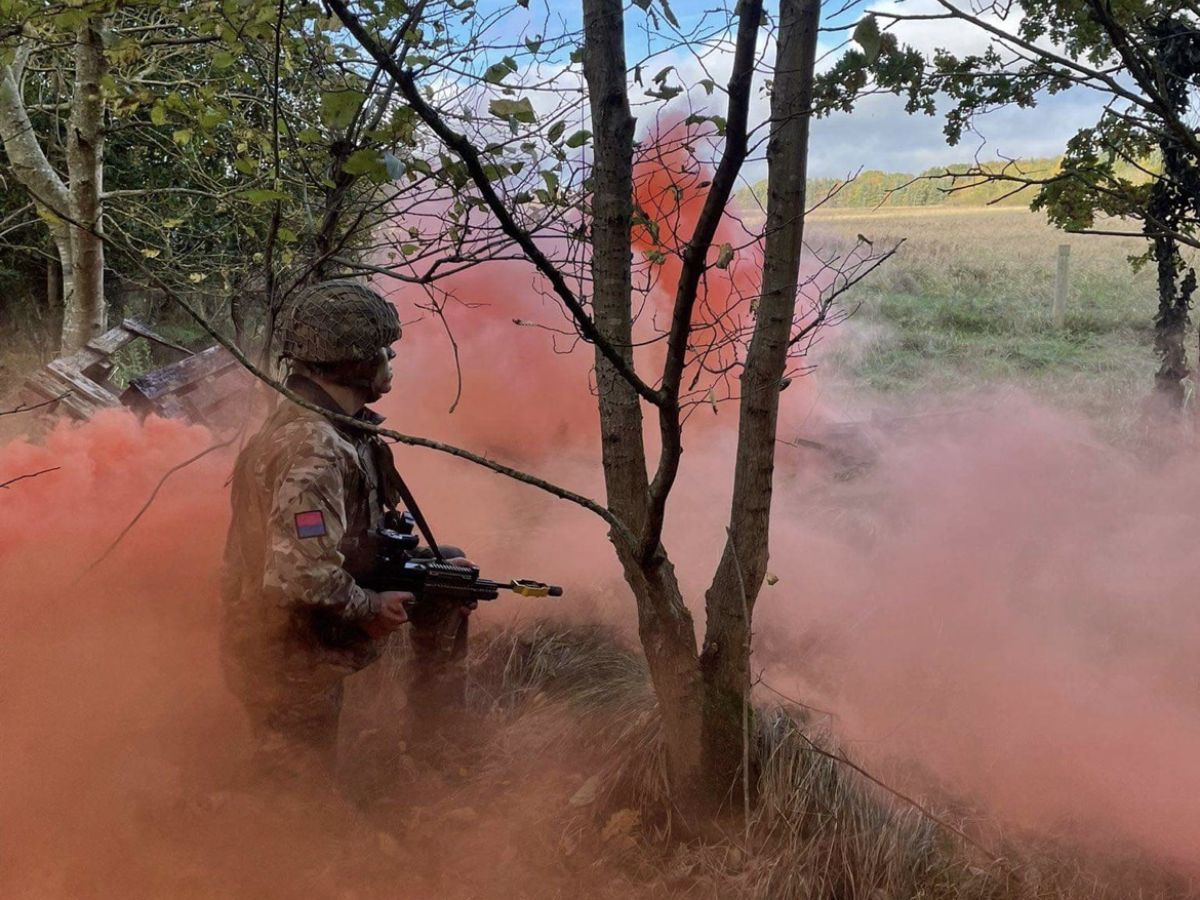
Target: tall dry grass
<point x="570" y="699"/>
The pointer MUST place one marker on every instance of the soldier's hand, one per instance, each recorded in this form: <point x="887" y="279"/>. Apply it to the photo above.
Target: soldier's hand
<point x="461" y="562"/>
<point x="393" y="612"/>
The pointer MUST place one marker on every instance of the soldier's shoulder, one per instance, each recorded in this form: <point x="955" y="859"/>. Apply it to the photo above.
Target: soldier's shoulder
<point x="307" y="435"/>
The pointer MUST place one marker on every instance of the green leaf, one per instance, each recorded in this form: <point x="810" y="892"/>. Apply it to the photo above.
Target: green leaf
<point x="513" y="110"/>
<point x="308" y="136"/>
<point x="263" y="195"/>
<point x="867" y="36"/>
<point x="724" y="256"/>
<point x="211" y="118"/>
<point x="222" y="59"/>
<point x="338" y="108"/>
<point x="665" y="93"/>
<point x="365" y="162"/>
<point x="246" y="165"/>
<point x="182" y="136"/>
<point x="497" y="72"/>
<point x="533" y="44"/>
<point x="556" y="131"/>
<point x="158" y="114"/>
<point x="578" y="139"/>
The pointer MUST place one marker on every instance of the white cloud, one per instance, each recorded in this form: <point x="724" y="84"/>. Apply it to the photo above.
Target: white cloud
<point x="879" y="134"/>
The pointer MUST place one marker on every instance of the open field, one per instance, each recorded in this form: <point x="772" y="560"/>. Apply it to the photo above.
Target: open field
<point x="966" y="302"/>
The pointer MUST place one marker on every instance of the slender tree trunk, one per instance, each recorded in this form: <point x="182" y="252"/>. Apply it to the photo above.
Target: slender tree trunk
<point x="84" y="317"/>
<point x="81" y="255"/>
<point x="1176" y="283"/>
<point x="54" y="283"/>
<point x="729" y="603"/>
<point x="665" y="624"/>
<point x="1174" y="62"/>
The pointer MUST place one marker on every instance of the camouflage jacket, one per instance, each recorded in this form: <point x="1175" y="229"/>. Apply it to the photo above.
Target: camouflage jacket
<point x="305" y="494"/>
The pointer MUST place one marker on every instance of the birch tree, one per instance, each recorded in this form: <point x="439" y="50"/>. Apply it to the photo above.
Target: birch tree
<point x="70" y="202"/>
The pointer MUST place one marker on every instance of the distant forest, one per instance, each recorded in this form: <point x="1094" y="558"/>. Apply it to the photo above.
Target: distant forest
<point x="930" y="188"/>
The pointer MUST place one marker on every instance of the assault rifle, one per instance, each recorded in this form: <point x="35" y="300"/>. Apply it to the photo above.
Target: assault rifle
<point x="391" y="565"/>
<point x="431" y="580"/>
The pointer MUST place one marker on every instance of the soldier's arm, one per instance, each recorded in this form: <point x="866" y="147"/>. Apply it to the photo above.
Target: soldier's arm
<point x="307" y="523"/>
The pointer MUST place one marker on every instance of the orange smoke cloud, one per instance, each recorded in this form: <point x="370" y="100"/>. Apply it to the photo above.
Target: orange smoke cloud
<point x="999" y="601"/>
<point x="1009" y="606"/>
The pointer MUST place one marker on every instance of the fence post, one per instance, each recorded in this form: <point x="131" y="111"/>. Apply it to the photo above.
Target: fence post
<point x="1062" y="283"/>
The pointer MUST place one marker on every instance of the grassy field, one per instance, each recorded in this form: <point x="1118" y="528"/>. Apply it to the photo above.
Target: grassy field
<point x="966" y="302"/>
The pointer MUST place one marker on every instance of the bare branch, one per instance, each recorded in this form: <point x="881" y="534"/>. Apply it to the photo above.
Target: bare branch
<point x="465" y="151"/>
<point x="5" y="484"/>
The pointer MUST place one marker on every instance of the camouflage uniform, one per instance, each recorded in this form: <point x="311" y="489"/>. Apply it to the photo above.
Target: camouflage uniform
<point x="306" y="493"/>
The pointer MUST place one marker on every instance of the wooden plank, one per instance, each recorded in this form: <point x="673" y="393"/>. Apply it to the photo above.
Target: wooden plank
<point x="138" y="328"/>
<point x="75" y="404"/>
<point x="81" y="385"/>
<point x="111" y="341"/>
<point x="172" y="378"/>
<point x="1062" y="285"/>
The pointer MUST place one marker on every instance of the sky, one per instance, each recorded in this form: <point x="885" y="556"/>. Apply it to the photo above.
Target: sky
<point x="879" y="134"/>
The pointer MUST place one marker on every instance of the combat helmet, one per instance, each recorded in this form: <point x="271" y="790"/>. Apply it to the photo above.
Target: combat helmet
<point x="337" y="321"/>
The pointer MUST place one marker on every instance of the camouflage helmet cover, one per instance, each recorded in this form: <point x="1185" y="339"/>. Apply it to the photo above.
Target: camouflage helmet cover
<point x="337" y="321"/>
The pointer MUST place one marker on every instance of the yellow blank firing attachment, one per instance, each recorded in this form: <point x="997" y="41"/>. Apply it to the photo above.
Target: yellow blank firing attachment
<point x="535" y="589"/>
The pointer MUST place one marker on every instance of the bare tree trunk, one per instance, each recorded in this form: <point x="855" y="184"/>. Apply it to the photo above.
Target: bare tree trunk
<point x="54" y="281"/>
<point x="1171" y="322"/>
<point x="665" y="624"/>
<point x="729" y="603"/>
<point x="81" y="255"/>
<point x="84" y="317"/>
<point x="31" y="167"/>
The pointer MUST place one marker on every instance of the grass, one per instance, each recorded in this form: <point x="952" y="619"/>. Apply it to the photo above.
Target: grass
<point x="577" y="702"/>
<point x="965" y="303"/>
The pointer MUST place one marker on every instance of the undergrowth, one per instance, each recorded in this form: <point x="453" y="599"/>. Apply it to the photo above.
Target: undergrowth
<point x="556" y="697"/>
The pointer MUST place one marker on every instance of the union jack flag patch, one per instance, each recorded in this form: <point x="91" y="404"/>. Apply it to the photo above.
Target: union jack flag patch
<point x="310" y="524"/>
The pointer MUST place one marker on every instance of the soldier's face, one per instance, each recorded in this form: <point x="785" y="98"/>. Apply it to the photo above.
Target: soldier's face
<point x="382" y="382"/>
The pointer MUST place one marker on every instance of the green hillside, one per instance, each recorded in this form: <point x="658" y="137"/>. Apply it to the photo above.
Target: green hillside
<point x="932" y="187"/>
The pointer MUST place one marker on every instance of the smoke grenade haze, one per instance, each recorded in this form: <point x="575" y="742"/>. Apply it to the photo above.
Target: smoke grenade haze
<point x="998" y="606"/>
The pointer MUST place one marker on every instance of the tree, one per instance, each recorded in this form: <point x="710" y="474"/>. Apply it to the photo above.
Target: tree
<point x="239" y="147"/>
<point x="1139" y="162"/>
<point x="80" y="194"/>
<point x="702" y="690"/>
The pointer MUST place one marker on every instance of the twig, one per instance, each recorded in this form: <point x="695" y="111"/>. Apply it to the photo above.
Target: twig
<point x="900" y="795"/>
<point x="31" y="407"/>
<point x="149" y="500"/>
<point x="619" y="527"/>
<point x="795" y="702"/>
<point x="5" y="484"/>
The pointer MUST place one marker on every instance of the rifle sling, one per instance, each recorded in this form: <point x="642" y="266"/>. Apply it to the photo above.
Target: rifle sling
<point x="388" y="465"/>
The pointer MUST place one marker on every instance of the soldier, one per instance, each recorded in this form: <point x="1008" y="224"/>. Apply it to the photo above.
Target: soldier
<point x="306" y="493"/>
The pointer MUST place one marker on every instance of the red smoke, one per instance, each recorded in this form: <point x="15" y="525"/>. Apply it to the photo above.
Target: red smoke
<point x="1000" y="601"/>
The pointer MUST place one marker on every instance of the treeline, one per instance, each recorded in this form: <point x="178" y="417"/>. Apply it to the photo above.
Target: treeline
<point x="933" y="187"/>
